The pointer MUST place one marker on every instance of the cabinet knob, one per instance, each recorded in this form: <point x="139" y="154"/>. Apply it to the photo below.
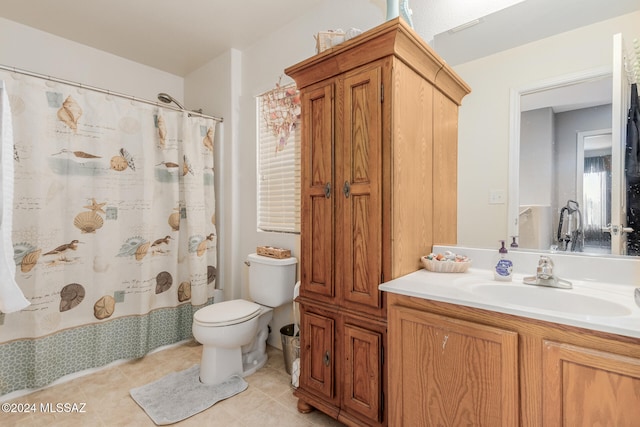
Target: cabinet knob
<point x="346" y="189"/>
<point x="327" y="190"/>
<point x="326" y="359"/>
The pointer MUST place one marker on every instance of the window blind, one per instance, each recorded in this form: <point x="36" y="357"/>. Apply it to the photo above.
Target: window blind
<point x="278" y="176"/>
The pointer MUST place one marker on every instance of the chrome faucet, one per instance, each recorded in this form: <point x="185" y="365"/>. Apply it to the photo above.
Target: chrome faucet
<point x="545" y="277"/>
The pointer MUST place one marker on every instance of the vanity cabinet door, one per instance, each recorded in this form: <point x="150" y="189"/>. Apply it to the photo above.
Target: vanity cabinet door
<point x="450" y="372"/>
<point x="584" y="387"/>
<point x="318" y="355"/>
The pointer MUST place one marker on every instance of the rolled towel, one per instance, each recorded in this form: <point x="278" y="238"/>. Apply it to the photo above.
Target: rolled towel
<point x="295" y="373"/>
<point x="11" y="296"/>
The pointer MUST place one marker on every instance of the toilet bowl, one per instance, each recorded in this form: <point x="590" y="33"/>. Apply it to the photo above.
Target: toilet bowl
<point x="234" y="333"/>
<point x="222" y="331"/>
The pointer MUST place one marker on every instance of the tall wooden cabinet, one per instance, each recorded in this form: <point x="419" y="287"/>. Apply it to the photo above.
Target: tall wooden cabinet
<point x="379" y="179"/>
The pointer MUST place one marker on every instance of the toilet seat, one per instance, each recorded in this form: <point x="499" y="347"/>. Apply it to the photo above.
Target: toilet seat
<point x="227" y="313"/>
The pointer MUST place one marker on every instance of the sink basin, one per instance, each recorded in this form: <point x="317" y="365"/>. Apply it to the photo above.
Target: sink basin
<point x="544" y="298"/>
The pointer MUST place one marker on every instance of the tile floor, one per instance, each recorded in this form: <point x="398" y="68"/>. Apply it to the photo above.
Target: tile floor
<point x="267" y="402"/>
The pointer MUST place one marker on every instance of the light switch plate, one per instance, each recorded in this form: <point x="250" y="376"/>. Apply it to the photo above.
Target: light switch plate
<point x="497" y="197"/>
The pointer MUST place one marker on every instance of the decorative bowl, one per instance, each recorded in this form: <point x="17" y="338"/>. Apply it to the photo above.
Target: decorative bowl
<point x="445" y="266"/>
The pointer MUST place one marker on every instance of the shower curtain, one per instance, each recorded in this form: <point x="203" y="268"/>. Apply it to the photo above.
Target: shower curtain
<point x="113" y="229"/>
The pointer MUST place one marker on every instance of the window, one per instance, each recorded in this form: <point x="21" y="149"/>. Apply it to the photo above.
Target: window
<point x="596" y="205"/>
<point x="279" y="160"/>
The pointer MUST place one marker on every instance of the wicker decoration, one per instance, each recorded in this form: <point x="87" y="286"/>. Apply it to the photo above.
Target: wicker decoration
<point x="328" y="39"/>
<point x="273" y="252"/>
<point x="445" y="266"/>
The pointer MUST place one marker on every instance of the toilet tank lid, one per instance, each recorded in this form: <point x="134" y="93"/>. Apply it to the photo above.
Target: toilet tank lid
<point x="271" y="261"/>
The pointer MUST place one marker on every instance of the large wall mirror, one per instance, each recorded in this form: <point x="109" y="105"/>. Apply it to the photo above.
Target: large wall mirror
<point x="568" y="190"/>
<point x="543" y="123"/>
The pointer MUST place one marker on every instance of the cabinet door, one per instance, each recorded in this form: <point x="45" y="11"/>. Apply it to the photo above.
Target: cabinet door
<point x="449" y="372"/>
<point x="362" y="388"/>
<point x="318" y="191"/>
<point x="584" y="387"/>
<point x="359" y="175"/>
<point x="317" y="354"/>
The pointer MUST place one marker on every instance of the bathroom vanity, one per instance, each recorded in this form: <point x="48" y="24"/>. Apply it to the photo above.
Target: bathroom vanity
<point x="460" y="353"/>
<point x="379" y="185"/>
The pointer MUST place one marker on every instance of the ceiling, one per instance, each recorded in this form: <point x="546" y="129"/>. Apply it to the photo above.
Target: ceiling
<point x="181" y="36"/>
<point x="170" y="35"/>
<point x="570" y="97"/>
<point x="522" y="23"/>
<point x="528" y="21"/>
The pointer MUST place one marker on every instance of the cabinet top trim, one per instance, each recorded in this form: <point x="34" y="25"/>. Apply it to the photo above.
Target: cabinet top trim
<point x="393" y="37"/>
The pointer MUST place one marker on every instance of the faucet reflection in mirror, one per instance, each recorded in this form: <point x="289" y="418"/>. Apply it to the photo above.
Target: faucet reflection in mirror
<point x="570" y="235"/>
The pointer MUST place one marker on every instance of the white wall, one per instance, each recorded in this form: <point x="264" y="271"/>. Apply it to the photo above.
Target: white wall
<point x="536" y="157"/>
<point x="36" y="51"/>
<point x="263" y="65"/>
<point x="483" y="148"/>
<point x="215" y="88"/>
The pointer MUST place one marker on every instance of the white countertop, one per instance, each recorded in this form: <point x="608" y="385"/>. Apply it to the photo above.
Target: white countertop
<point x="569" y="307"/>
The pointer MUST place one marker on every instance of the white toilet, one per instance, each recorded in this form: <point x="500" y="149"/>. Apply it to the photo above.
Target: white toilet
<point x="234" y="333"/>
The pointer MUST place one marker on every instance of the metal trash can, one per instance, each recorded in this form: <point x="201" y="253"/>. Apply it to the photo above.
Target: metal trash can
<point x="290" y="346"/>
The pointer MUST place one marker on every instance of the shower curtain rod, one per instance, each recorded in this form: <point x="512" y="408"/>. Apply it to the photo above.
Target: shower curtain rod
<point x="107" y="92"/>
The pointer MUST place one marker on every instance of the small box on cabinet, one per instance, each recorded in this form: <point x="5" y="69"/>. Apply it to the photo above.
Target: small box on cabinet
<point x="328" y="39"/>
<point x="272" y="252"/>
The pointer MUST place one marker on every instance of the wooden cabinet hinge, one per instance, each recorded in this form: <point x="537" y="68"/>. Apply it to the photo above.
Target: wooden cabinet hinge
<point x="381" y="92"/>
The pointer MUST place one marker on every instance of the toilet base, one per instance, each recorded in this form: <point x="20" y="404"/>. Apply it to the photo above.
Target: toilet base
<point x="221" y="363"/>
<point x="218" y="364"/>
<point x="254" y="355"/>
<point x="251" y="367"/>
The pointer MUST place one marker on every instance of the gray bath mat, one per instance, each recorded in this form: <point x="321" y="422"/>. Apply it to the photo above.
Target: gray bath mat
<point x="180" y="395"/>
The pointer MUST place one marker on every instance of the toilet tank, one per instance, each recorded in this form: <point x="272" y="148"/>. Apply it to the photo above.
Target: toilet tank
<point x="271" y="280"/>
